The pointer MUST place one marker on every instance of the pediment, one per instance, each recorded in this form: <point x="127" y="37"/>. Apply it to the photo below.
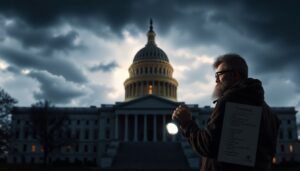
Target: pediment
<point x="148" y="102"/>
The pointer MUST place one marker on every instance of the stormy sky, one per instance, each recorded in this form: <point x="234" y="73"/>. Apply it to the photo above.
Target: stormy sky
<point x="77" y="53"/>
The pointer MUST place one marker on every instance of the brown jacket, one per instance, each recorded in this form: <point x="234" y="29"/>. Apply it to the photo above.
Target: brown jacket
<point x="206" y="141"/>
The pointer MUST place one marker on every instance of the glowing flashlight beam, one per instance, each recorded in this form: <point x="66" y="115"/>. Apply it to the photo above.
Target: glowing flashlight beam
<point x="172" y="128"/>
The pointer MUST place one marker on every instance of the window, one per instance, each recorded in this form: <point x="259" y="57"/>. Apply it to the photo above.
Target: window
<point x="288" y="121"/>
<point x="291" y="148"/>
<point x="107" y="120"/>
<point x="86" y="134"/>
<point x="77" y="134"/>
<point x="86" y="148"/>
<point x="290" y="134"/>
<point x="281" y="134"/>
<point x="24" y="147"/>
<point x="150" y="89"/>
<point x="69" y="133"/>
<point x="282" y="147"/>
<point x="25" y="133"/>
<point x="33" y="148"/>
<point x="96" y="134"/>
<point x="17" y="133"/>
<point x="77" y="148"/>
<point x="87" y="122"/>
<point x="274" y="160"/>
<point x="78" y="122"/>
<point x="107" y="134"/>
<point x="96" y="122"/>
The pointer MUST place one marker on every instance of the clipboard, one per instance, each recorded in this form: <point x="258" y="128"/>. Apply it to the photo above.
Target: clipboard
<point x="239" y="138"/>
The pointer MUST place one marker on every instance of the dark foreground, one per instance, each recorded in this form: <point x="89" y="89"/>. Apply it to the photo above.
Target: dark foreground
<point x="9" y="167"/>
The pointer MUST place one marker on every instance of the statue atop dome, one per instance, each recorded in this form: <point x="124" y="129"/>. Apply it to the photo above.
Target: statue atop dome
<point x="151" y="34"/>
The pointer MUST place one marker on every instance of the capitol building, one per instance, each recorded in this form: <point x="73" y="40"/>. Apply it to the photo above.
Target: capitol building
<point x="131" y="134"/>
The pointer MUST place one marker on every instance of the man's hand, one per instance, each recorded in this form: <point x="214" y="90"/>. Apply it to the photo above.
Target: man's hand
<point x="182" y="114"/>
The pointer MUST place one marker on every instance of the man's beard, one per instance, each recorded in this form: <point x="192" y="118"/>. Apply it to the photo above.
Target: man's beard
<point x="220" y="88"/>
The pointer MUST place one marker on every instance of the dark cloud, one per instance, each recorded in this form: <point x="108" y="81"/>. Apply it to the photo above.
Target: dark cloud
<point x="43" y="39"/>
<point x="43" y="14"/>
<point x="104" y="67"/>
<point x="55" y="88"/>
<point x="59" y="67"/>
<point x="265" y="33"/>
<point x="13" y="69"/>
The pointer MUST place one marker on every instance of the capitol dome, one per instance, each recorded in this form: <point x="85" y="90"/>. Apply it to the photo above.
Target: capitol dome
<point x="151" y="51"/>
<point x="151" y="73"/>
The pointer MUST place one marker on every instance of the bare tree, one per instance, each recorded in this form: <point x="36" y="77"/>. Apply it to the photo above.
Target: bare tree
<point x="6" y="104"/>
<point x="50" y="127"/>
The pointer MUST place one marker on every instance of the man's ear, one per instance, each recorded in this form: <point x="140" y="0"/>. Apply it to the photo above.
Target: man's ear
<point x="237" y="76"/>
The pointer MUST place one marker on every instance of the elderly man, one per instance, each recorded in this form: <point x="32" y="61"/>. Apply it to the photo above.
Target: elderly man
<point x="232" y="85"/>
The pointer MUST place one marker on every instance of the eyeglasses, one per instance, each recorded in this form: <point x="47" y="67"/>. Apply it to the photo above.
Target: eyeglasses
<point x="217" y="74"/>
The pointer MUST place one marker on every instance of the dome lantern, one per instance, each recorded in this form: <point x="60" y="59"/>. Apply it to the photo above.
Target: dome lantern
<point x="151" y="34"/>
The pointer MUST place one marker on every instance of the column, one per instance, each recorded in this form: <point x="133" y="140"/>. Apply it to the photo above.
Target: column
<point x="154" y="128"/>
<point x="142" y="88"/>
<point x="167" y="89"/>
<point x="126" y="127"/>
<point x="172" y="91"/>
<point x="158" y="84"/>
<point x="135" y="127"/>
<point x="164" y="89"/>
<point x="164" y="128"/>
<point x="117" y="127"/>
<point x="145" y="128"/>
<point x="147" y="88"/>
<point x="130" y="90"/>
<point x="153" y="87"/>
<point x="134" y="89"/>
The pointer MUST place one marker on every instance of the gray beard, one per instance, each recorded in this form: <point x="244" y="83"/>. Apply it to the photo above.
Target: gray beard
<point x="220" y="89"/>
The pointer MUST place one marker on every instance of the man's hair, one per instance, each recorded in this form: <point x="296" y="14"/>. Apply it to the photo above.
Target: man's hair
<point x="233" y="62"/>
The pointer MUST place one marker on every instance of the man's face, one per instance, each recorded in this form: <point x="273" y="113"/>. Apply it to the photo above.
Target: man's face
<point x="224" y="80"/>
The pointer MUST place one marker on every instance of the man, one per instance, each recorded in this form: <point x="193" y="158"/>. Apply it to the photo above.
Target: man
<point x="232" y="85"/>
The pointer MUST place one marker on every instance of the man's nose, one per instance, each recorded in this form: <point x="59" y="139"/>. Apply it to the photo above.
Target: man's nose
<point x="217" y="80"/>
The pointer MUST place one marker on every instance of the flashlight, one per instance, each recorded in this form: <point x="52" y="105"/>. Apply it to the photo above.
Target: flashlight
<point x="172" y="127"/>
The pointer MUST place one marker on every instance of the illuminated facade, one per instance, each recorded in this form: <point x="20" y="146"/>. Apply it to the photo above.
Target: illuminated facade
<point x="132" y="134"/>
